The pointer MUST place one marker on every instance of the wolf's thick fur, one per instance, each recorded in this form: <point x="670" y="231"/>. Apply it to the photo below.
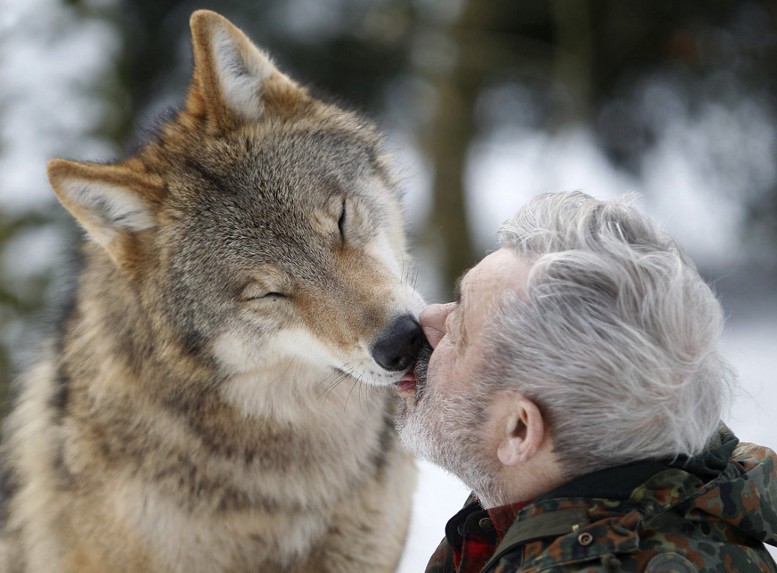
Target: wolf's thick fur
<point x="202" y="410"/>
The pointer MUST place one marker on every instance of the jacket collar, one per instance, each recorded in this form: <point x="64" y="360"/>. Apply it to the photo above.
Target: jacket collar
<point x="609" y="483"/>
<point x="568" y="508"/>
<point x="618" y="482"/>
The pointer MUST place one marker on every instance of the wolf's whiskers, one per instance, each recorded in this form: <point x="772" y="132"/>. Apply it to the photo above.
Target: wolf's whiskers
<point x="334" y="380"/>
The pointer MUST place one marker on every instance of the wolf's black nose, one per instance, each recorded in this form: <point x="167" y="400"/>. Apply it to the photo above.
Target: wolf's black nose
<point x="398" y="346"/>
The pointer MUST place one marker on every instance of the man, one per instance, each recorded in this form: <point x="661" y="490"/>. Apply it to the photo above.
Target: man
<point x="575" y="385"/>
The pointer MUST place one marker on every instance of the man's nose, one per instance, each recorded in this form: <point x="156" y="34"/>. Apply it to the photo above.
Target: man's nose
<point x="432" y="321"/>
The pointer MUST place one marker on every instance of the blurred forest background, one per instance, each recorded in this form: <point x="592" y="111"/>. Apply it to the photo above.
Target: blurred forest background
<point x="484" y="104"/>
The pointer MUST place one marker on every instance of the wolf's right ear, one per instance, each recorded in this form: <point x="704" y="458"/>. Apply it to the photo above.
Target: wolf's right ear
<point x="230" y="72"/>
<point x="111" y="202"/>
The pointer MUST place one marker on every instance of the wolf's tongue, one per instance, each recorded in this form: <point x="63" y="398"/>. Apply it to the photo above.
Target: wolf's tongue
<point x="407" y="382"/>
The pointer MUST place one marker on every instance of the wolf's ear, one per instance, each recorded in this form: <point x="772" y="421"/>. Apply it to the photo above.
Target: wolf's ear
<point x="230" y="72"/>
<point x="110" y="201"/>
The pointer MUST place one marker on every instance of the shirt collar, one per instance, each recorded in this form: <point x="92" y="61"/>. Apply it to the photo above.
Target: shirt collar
<point x="610" y="483"/>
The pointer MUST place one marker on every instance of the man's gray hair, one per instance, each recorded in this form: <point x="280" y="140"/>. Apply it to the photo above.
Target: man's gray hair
<point x="616" y="336"/>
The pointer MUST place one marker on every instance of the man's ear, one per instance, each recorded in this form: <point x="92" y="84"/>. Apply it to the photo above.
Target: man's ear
<point x="230" y="72"/>
<point x="522" y="430"/>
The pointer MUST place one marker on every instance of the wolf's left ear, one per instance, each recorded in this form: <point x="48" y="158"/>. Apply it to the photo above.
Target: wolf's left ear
<point x="230" y="72"/>
<point x="111" y="202"/>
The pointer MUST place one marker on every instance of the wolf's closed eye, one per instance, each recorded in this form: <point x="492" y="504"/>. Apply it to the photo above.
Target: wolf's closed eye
<point x="255" y="292"/>
<point x="354" y="221"/>
<point x="269" y="295"/>
<point x="341" y="221"/>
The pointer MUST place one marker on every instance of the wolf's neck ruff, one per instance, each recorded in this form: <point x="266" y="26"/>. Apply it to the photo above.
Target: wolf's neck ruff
<point x="215" y="402"/>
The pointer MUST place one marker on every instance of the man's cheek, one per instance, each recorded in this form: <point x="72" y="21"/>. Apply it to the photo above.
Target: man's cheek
<point x="436" y="369"/>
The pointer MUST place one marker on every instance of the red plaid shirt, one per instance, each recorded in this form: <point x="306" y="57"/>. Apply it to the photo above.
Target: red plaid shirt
<point x="471" y="537"/>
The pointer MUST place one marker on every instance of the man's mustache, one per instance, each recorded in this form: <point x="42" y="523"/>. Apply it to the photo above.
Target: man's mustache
<point x="422" y="364"/>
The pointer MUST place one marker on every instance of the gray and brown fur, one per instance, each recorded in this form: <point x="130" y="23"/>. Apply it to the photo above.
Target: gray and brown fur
<point x="213" y="402"/>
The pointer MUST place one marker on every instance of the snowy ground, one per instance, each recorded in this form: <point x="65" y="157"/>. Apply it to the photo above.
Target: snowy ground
<point x="751" y="346"/>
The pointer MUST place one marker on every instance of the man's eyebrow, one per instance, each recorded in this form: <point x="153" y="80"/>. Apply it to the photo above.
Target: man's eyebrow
<point x="458" y="286"/>
<point x="457" y="289"/>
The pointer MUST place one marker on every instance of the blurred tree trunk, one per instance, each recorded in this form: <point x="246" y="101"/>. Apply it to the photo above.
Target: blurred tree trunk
<point x="446" y="144"/>
<point x="572" y="61"/>
<point x="486" y="47"/>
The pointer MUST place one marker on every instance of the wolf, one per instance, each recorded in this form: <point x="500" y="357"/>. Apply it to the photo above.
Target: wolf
<point x="219" y="395"/>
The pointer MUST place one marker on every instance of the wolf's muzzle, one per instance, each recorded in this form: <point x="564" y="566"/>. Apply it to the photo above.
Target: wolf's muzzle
<point x="398" y="346"/>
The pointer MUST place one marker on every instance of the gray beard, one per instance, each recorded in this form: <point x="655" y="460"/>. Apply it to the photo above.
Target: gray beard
<point x="448" y="431"/>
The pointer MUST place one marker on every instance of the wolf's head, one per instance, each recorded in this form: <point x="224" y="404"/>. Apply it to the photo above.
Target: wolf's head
<point x="260" y="232"/>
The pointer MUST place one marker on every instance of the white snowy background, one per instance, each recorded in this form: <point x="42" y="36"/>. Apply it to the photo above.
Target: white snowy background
<point x="47" y="57"/>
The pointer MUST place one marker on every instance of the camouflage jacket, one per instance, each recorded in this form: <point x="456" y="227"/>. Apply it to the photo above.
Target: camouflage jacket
<point x="709" y="513"/>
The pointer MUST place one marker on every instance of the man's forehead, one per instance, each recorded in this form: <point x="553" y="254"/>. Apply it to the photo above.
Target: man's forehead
<point x="498" y="271"/>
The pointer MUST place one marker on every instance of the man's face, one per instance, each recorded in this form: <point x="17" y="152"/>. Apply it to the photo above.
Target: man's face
<point x="445" y="411"/>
